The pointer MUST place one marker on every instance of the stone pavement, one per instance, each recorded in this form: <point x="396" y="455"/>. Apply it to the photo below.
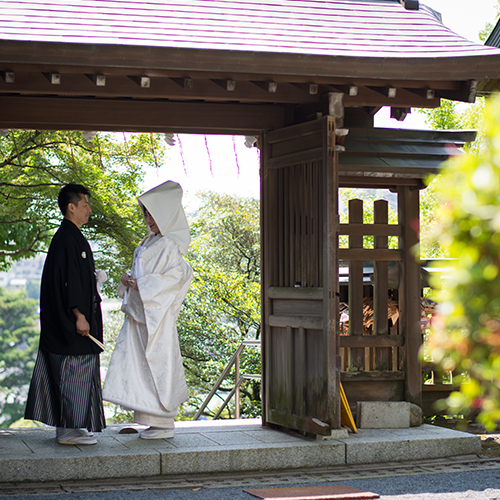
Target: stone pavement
<point x="201" y="447"/>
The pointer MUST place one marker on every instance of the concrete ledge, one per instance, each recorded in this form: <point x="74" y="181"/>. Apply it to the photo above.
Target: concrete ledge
<point x="416" y="443"/>
<point x="34" y="455"/>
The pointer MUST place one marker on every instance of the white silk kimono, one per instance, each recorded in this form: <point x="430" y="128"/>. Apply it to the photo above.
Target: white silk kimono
<point x="145" y="373"/>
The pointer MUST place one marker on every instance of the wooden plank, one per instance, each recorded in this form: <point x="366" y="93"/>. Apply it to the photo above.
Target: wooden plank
<point x="296" y="145"/>
<point x="356" y="361"/>
<point x="304" y="424"/>
<point x="373" y="229"/>
<point x="289" y="346"/>
<point x="279" y="233"/>
<point x="373" y="390"/>
<point x="353" y="180"/>
<point x="316" y="216"/>
<point x="295" y="321"/>
<point x="266" y="309"/>
<point x="300" y="369"/>
<point x="295" y="293"/>
<point x="380" y="286"/>
<point x="301" y="307"/>
<point x="371" y="376"/>
<point x="295" y="132"/>
<point x="409" y="292"/>
<point x="329" y="187"/>
<point x="356" y="341"/>
<point x="292" y="159"/>
<point x="361" y="254"/>
<point x="138" y="116"/>
<point x="287" y="279"/>
<point x="355" y="284"/>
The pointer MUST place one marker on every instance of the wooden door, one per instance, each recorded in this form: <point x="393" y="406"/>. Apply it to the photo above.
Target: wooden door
<point x="300" y="277"/>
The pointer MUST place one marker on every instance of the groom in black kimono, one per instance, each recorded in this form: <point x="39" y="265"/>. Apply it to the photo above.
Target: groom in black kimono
<point x="65" y="390"/>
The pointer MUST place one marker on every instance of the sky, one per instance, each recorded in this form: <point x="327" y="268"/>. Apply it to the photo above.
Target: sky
<point x="225" y="165"/>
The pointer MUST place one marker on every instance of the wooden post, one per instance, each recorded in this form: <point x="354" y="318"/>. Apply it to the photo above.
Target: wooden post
<point x="330" y="270"/>
<point x="380" y="288"/>
<point x="264" y="295"/>
<point x="356" y="361"/>
<point x="409" y="292"/>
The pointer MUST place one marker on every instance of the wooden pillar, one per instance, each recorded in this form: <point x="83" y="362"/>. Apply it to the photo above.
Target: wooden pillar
<point x="330" y="271"/>
<point x="409" y="291"/>
<point x="264" y="296"/>
<point x="380" y="288"/>
<point x="357" y="355"/>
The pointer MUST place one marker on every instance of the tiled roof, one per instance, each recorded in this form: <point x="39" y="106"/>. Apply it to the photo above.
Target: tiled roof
<point x="354" y="28"/>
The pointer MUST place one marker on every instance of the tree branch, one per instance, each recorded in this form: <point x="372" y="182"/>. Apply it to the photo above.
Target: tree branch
<point x="12" y="253"/>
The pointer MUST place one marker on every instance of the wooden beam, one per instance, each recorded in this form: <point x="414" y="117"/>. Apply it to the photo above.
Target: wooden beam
<point x="350" y="90"/>
<point x="53" y="78"/>
<point x="369" y="254"/>
<point x="228" y="85"/>
<point x="185" y="83"/>
<point x="361" y="341"/>
<point x="310" y="88"/>
<point x="467" y="93"/>
<point x="76" y="85"/>
<point x="98" y="79"/>
<point x="8" y="76"/>
<point x="135" y="115"/>
<point x="52" y="56"/>
<point x="400" y="113"/>
<point x="268" y="86"/>
<point x="425" y="93"/>
<point x="409" y="293"/>
<point x="389" y="92"/>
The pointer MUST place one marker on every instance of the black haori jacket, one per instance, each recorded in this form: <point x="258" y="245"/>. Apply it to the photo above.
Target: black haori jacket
<point x="69" y="282"/>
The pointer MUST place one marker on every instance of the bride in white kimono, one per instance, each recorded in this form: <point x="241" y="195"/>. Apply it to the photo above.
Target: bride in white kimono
<point x="145" y="373"/>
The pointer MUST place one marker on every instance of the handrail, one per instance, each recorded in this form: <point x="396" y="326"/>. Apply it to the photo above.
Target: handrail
<point x="235" y="360"/>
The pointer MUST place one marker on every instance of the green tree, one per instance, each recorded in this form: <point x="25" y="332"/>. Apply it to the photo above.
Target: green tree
<point x="18" y="349"/>
<point x="449" y="116"/>
<point x="222" y="307"/>
<point x="35" y="164"/>
<point x="466" y="337"/>
<point x="486" y="31"/>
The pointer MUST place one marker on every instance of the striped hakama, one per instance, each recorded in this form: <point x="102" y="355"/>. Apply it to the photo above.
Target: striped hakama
<point x="65" y="391"/>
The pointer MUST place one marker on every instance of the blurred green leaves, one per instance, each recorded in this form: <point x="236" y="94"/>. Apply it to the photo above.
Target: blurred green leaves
<point x="466" y="335"/>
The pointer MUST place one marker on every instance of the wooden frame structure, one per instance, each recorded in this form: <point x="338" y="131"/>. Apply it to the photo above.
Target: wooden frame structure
<point x="307" y="79"/>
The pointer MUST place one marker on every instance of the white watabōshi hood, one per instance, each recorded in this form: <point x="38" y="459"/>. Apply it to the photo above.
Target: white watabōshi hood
<point x="164" y="204"/>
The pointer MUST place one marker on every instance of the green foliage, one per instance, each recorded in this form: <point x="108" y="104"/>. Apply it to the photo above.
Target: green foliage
<point x="222" y="307"/>
<point x="18" y="349"/>
<point x="466" y="337"/>
<point x="486" y="31"/>
<point x="430" y="201"/>
<point x="34" y="165"/>
<point x="452" y="115"/>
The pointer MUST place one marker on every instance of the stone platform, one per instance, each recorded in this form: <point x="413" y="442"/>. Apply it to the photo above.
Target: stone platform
<point x="201" y="447"/>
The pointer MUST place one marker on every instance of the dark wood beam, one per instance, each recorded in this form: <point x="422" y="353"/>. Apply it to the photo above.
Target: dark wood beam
<point x="79" y="85"/>
<point x="467" y="92"/>
<point x="258" y="66"/>
<point x="134" y="115"/>
<point x="8" y="76"/>
<point x="400" y="113"/>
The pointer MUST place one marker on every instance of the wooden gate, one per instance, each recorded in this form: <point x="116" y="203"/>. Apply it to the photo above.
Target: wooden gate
<point x="300" y="277"/>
